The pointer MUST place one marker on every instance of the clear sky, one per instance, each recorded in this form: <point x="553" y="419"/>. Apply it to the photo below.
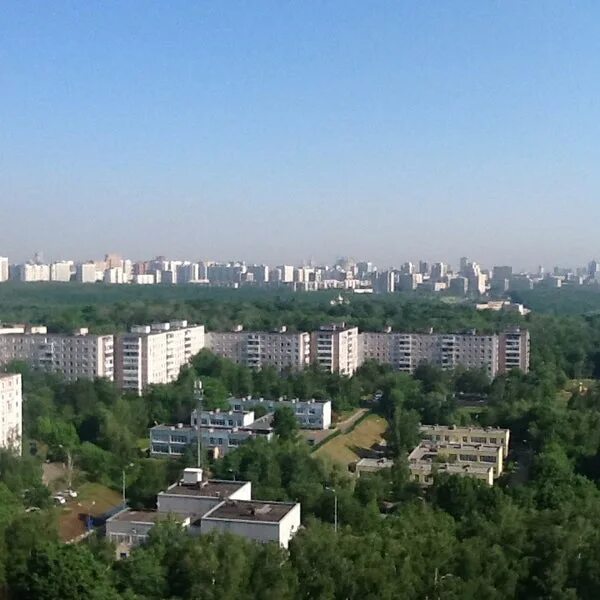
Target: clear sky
<point x="282" y="131"/>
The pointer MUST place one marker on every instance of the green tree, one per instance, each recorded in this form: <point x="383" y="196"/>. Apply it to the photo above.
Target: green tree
<point x="57" y="572"/>
<point x="285" y="423"/>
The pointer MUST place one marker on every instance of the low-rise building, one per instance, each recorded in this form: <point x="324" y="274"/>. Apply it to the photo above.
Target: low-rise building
<point x="455" y="434"/>
<point x="310" y="414"/>
<point x="446" y="452"/>
<point x="130" y="528"/>
<point x="203" y="506"/>
<point x="172" y="440"/>
<point x="257" y="520"/>
<point x="195" y="496"/>
<point x="221" y="418"/>
<point x="424" y="472"/>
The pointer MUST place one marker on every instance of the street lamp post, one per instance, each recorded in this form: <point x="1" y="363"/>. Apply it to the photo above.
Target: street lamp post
<point x="124" y="483"/>
<point x="335" y="508"/>
<point x="69" y="466"/>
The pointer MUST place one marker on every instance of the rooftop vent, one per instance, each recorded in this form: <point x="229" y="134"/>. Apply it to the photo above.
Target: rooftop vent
<point x="192" y="476"/>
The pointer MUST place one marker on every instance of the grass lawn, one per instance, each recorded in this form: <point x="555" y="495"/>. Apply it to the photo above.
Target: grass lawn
<point x="93" y="499"/>
<point x="342" y="449"/>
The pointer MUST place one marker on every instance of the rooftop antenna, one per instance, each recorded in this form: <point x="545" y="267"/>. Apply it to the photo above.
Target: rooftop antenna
<point x="199" y="397"/>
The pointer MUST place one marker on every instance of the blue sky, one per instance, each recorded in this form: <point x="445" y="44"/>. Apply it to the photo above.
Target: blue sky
<point x="282" y="131"/>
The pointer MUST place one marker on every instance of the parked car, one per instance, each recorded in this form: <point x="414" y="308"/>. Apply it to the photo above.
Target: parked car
<point x="60" y="500"/>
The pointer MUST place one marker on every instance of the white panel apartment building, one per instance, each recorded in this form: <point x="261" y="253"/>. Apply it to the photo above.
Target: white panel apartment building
<point x="406" y="351"/>
<point x="4" y="272"/>
<point x="256" y="349"/>
<point x="32" y="272"/>
<point x="11" y="412"/>
<point x="61" y="271"/>
<point x="81" y="355"/>
<point x="152" y="354"/>
<point x="335" y="348"/>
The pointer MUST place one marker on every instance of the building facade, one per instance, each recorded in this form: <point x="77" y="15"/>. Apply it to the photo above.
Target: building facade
<point x="455" y="434"/>
<point x="310" y="414"/>
<point x="154" y="354"/>
<point x="81" y="355"/>
<point x="335" y="348"/>
<point x="11" y="412"/>
<point x="256" y="349"/>
<point x="514" y="350"/>
<point x="496" y="354"/>
<point x="4" y="271"/>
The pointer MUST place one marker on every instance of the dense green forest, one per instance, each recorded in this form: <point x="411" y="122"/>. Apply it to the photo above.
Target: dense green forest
<point x="533" y="535"/>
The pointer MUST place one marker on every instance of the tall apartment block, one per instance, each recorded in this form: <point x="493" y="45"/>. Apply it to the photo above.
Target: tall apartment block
<point x="335" y="348"/>
<point x="4" y="272"/>
<point x="514" y="350"/>
<point x="11" y="412"/>
<point x="81" y="355"/>
<point x="406" y="351"/>
<point x="152" y="354"/>
<point x="256" y="349"/>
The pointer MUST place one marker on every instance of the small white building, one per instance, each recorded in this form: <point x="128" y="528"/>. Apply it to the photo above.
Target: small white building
<point x="257" y="520"/>
<point x="195" y="496"/>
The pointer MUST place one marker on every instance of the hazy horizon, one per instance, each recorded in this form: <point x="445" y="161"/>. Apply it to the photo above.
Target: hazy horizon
<point x="278" y="132"/>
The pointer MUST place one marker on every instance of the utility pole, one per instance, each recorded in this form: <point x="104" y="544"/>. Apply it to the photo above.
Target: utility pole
<point x="335" y="508"/>
<point x="199" y="396"/>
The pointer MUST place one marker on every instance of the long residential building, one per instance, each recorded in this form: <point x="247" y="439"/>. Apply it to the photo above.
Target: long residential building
<point x="256" y="349"/>
<point x="11" y="412"/>
<point x="154" y="354"/>
<point x="406" y="351"/>
<point x="76" y="356"/>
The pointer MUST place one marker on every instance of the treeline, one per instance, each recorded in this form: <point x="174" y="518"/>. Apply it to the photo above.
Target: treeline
<point x="108" y="309"/>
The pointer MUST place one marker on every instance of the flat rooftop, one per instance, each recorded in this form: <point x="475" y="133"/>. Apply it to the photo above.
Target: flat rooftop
<point x="430" y="450"/>
<point x="8" y="375"/>
<point x="448" y="428"/>
<point x="250" y="510"/>
<point x="259" y="400"/>
<point x="141" y="516"/>
<point x="213" y="488"/>
<point x="375" y="463"/>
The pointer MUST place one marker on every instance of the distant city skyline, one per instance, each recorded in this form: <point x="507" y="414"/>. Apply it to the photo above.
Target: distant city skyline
<point x="280" y="132"/>
<point x="454" y="263"/>
<point x="47" y="258"/>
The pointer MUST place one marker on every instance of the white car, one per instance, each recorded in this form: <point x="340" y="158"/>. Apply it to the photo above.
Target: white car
<point x="59" y="500"/>
<point x="70" y="493"/>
